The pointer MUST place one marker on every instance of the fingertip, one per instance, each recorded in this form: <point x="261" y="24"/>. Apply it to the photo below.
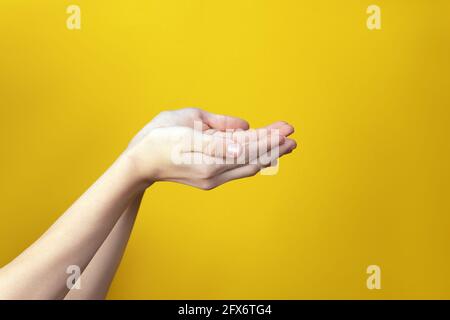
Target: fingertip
<point x="244" y="125"/>
<point x="283" y="127"/>
<point x="287" y="129"/>
<point x="294" y="144"/>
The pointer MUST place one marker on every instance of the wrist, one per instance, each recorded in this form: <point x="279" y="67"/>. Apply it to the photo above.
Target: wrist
<point x="142" y="176"/>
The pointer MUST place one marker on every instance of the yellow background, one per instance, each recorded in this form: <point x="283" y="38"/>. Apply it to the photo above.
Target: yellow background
<point x="368" y="185"/>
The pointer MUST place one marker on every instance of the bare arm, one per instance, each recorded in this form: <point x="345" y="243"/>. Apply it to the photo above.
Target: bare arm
<point x="40" y="271"/>
<point x="97" y="277"/>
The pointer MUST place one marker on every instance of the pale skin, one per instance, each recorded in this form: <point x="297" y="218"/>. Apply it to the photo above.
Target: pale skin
<point x="93" y="233"/>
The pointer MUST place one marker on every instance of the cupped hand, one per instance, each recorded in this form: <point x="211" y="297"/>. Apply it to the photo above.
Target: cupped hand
<point x="204" y="150"/>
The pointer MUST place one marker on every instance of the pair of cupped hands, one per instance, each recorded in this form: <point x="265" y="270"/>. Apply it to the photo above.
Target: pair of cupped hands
<point x="198" y="148"/>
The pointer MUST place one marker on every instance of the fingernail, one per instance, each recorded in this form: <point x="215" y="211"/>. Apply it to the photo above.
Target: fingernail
<point x="233" y="149"/>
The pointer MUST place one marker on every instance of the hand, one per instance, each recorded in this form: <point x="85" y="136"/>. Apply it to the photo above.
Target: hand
<point x="204" y="150"/>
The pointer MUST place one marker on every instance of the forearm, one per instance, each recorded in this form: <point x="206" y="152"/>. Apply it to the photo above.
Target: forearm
<point x="98" y="275"/>
<point x="40" y="271"/>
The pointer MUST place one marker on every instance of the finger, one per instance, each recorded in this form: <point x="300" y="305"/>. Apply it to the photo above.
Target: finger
<point x="241" y="151"/>
<point x="270" y="158"/>
<point x="210" y="168"/>
<point x="235" y="152"/>
<point x="222" y="122"/>
<point x="248" y="135"/>
<point x="245" y="147"/>
<point x="255" y="146"/>
<point x="280" y="127"/>
<point x="252" y="169"/>
<point x="284" y="128"/>
<point x="216" y="147"/>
